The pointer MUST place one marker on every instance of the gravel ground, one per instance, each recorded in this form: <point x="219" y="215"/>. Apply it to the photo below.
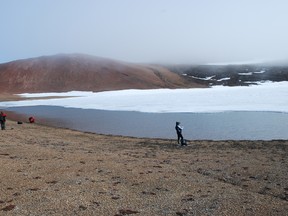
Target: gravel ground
<point x="52" y="171"/>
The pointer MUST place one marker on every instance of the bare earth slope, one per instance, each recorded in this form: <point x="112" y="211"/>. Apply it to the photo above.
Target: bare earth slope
<point x="50" y="171"/>
<point x="67" y="72"/>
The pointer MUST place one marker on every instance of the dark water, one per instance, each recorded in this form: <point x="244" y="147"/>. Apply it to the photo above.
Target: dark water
<point x="197" y="126"/>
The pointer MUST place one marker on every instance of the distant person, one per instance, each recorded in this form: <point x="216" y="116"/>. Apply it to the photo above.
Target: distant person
<point x="31" y="119"/>
<point x="180" y="138"/>
<point x="3" y="120"/>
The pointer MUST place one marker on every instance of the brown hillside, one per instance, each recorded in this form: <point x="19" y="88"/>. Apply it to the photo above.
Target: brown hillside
<point x="83" y="73"/>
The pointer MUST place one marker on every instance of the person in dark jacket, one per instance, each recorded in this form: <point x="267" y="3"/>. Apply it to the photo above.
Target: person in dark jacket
<point x="3" y="120"/>
<point x="179" y="129"/>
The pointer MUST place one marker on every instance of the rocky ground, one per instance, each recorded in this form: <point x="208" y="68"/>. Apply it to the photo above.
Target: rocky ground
<point x="233" y="75"/>
<point x="52" y="171"/>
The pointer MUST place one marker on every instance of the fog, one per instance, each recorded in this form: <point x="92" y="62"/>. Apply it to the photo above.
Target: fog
<point x="147" y="31"/>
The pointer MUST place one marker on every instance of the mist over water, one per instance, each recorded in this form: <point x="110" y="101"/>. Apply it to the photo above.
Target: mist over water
<point x="197" y="126"/>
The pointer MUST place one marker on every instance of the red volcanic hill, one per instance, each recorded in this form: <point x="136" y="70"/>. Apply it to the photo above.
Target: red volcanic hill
<point x="60" y="73"/>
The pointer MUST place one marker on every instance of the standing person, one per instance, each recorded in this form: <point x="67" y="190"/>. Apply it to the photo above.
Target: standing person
<point x="2" y="120"/>
<point x="179" y="129"/>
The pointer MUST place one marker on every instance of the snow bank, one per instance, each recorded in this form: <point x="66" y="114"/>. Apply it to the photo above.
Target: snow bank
<point x="264" y="97"/>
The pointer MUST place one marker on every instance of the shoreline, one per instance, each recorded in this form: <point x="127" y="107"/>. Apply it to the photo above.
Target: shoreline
<point x="55" y="171"/>
<point x="198" y="126"/>
<point x="9" y="97"/>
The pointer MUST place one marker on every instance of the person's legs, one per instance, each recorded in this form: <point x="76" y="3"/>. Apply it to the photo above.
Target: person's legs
<point x="180" y="138"/>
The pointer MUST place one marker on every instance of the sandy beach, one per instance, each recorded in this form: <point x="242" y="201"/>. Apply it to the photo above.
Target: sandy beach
<point x="52" y="171"/>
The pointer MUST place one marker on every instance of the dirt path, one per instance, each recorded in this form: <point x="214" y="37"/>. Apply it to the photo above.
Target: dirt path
<point x="50" y="171"/>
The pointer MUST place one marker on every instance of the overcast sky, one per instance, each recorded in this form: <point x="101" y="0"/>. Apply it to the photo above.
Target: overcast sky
<point x="148" y="31"/>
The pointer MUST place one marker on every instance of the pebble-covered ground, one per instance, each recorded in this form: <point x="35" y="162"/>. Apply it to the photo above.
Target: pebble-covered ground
<point x="52" y="171"/>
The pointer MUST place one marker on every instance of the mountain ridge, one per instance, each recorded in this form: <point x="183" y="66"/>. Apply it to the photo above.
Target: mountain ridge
<point x="233" y="75"/>
<point x="81" y="72"/>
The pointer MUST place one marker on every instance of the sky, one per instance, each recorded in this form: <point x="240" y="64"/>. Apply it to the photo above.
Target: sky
<point x="146" y="31"/>
<point x="207" y="100"/>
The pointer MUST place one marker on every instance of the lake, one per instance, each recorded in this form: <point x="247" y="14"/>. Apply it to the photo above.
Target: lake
<point x="197" y="126"/>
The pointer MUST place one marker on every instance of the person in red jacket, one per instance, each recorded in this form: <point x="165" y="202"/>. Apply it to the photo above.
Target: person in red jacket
<point x="31" y="119"/>
<point x="3" y="120"/>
